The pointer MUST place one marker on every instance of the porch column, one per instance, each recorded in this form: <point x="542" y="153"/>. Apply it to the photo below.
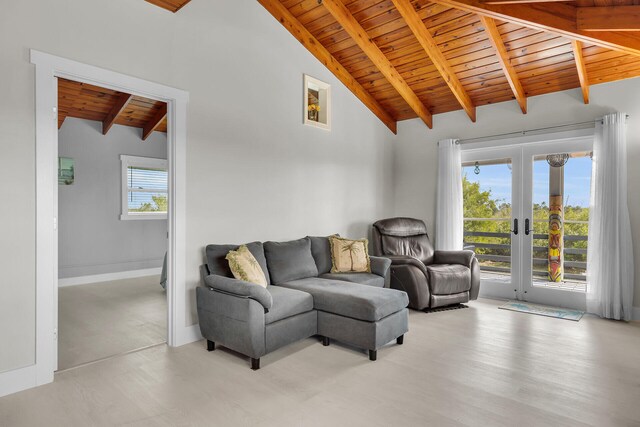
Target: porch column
<point x="556" y="224"/>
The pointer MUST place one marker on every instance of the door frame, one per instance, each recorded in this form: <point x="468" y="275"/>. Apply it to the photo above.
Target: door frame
<point x="525" y="143"/>
<point x="542" y="295"/>
<point x="47" y="69"/>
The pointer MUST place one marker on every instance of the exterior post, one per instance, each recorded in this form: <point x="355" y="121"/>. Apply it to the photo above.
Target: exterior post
<point x="556" y="224"/>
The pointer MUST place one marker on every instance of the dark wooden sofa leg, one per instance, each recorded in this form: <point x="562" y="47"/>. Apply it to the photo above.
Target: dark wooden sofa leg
<point x="373" y="355"/>
<point x="325" y="341"/>
<point x="255" y="364"/>
<point x="211" y="345"/>
<point x="400" y="340"/>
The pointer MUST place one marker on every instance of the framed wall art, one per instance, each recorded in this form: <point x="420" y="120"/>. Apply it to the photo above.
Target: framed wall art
<point x="317" y="103"/>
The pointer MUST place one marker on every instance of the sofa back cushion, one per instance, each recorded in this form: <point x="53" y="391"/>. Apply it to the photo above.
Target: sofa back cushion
<point x="218" y="264"/>
<point x="321" y="251"/>
<point x="290" y="260"/>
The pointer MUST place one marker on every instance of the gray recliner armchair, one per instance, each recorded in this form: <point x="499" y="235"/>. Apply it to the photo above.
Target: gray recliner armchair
<point x="431" y="278"/>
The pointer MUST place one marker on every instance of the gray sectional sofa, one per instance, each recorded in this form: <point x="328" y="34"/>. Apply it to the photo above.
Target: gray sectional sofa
<point x="302" y="298"/>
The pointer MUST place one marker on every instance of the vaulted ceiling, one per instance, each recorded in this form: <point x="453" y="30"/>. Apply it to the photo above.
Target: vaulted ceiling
<point x="417" y="58"/>
<point x="85" y="101"/>
<point x="171" y="5"/>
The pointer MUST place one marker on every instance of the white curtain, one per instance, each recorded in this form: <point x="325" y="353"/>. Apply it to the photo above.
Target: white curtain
<point x="610" y="251"/>
<point x="449" y="215"/>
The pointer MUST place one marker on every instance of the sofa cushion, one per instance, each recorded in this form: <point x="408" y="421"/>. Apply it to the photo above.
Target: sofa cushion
<point x="218" y="264"/>
<point x="368" y="279"/>
<point x="244" y="266"/>
<point x="286" y="303"/>
<point x="446" y="279"/>
<point x="351" y="299"/>
<point x="321" y="251"/>
<point x="349" y="256"/>
<point x="290" y="260"/>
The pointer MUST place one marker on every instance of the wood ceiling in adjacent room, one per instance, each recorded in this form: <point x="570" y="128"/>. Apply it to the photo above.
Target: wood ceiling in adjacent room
<point x="416" y="58"/>
<point x="85" y="101"/>
<point x="171" y="5"/>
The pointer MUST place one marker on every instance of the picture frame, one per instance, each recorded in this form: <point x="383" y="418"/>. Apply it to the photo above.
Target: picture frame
<point x="316" y="103"/>
<point x="66" y="171"/>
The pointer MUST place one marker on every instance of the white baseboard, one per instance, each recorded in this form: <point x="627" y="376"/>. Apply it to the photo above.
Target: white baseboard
<point x="96" y="278"/>
<point x="17" y="380"/>
<point x="21" y="379"/>
<point x="188" y="335"/>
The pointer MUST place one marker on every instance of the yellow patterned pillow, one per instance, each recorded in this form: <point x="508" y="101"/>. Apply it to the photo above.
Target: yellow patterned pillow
<point x="349" y="256"/>
<point x="244" y="266"/>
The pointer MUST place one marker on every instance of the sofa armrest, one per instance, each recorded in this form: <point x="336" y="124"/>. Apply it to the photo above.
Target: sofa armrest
<point x="454" y="257"/>
<point x="410" y="275"/>
<point x="240" y="289"/>
<point x="408" y="260"/>
<point x="380" y="266"/>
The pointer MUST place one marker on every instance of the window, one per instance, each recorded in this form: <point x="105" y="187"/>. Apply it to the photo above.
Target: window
<point x="144" y="188"/>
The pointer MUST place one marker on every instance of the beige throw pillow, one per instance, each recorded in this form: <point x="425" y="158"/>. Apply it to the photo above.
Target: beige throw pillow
<point x="349" y="256"/>
<point x="244" y="266"/>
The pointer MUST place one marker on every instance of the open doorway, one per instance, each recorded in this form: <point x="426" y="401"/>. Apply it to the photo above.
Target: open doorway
<point x="48" y="68"/>
<point x="112" y="222"/>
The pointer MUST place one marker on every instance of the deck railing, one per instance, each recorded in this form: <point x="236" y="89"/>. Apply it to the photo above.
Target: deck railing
<point x="500" y="253"/>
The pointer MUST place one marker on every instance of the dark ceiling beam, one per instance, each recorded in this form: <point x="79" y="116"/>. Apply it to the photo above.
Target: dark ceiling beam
<point x="522" y="1"/>
<point x="154" y="122"/>
<point x="430" y="46"/>
<point x="609" y="18"/>
<point x="558" y="18"/>
<point x="505" y="62"/>
<point x="172" y="6"/>
<point x="121" y="103"/>
<point x="342" y="15"/>
<point x="582" y="69"/>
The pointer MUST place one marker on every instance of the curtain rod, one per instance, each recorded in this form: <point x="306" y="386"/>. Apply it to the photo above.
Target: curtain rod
<point x="525" y="132"/>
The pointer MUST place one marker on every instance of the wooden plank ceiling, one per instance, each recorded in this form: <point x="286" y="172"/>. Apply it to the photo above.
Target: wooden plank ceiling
<point x="85" y="101"/>
<point x="401" y="57"/>
<point x="171" y="5"/>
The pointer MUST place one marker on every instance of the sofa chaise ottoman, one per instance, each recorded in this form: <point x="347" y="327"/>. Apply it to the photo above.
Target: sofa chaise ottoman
<point x="302" y="298"/>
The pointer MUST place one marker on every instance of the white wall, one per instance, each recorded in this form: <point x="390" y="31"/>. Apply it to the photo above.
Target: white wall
<point x="91" y="237"/>
<point x="416" y="154"/>
<point x="254" y="171"/>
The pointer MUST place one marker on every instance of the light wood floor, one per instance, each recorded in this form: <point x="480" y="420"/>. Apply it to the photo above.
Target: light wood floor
<point x="475" y="367"/>
<point x="104" y="319"/>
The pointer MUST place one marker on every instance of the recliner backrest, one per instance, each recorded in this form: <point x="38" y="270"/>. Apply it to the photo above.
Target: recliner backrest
<point x="403" y="236"/>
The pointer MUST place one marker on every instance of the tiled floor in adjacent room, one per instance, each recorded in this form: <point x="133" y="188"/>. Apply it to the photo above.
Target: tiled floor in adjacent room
<point x="100" y="320"/>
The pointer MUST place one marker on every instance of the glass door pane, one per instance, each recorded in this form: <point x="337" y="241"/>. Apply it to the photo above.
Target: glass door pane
<point x="556" y="248"/>
<point x="488" y="220"/>
<point x="561" y="221"/>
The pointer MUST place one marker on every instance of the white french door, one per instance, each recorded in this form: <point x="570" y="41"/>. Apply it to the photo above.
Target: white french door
<point x="526" y="216"/>
<point x="491" y="190"/>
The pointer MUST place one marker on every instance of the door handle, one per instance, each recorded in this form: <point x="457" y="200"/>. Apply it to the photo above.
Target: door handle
<point x="527" y="231"/>
<point x="515" y="226"/>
